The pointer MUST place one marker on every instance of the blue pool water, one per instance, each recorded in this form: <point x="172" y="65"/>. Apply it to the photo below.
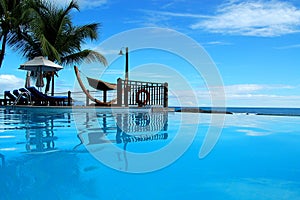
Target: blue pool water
<point x="119" y="154"/>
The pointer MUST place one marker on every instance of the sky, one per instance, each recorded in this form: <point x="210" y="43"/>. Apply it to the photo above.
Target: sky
<point x="253" y="45"/>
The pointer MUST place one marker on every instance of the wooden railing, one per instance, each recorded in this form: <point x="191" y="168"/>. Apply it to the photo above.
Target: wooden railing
<point x="140" y="93"/>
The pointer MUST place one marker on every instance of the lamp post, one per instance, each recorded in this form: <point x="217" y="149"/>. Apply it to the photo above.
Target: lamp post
<point x="126" y="61"/>
<point x="126" y="76"/>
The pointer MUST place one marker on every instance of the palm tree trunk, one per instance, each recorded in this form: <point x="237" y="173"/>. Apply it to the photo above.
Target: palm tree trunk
<point x="2" y="53"/>
<point x="48" y="78"/>
<point x="52" y="88"/>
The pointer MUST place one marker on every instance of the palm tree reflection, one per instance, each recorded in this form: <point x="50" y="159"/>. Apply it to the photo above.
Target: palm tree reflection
<point x="41" y="138"/>
<point x="2" y="161"/>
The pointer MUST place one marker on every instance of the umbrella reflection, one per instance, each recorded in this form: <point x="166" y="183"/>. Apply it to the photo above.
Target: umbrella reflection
<point x="39" y="127"/>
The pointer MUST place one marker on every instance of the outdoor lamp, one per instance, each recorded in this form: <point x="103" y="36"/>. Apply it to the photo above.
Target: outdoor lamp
<point x="126" y="64"/>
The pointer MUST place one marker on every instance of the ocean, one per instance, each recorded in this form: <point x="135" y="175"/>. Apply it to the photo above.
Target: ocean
<point x="253" y="110"/>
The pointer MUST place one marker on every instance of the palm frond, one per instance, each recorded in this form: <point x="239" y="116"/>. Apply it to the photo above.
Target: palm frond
<point x="45" y="29"/>
<point x="49" y="50"/>
<point x="84" y="56"/>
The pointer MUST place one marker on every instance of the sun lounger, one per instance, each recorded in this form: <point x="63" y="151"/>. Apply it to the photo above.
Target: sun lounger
<point x="14" y="99"/>
<point x="21" y="97"/>
<point x="52" y="100"/>
<point x="16" y="93"/>
<point x="35" y="100"/>
<point x="41" y="99"/>
<point x="10" y="96"/>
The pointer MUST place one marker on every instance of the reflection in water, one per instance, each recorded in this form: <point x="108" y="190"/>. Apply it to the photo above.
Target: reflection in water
<point x="49" y="147"/>
<point x="126" y="127"/>
<point x="105" y="127"/>
<point x="2" y="161"/>
<point x="121" y="129"/>
<point x="240" y="167"/>
<point x="41" y="138"/>
<point x="40" y="142"/>
<point x="39" y="126"/>
<point x="142" y="123"/>
<point x="36" y="176"/>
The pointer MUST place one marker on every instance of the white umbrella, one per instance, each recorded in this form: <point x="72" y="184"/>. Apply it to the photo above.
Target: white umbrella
<point x="39" y="80"/>
<point x="39" y="65"/>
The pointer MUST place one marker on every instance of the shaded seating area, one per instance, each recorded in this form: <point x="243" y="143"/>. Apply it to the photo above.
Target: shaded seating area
<point x="32" y="96"/>
<point x="41" y="99"/>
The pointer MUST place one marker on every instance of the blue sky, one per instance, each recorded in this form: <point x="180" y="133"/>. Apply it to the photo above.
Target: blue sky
<point x="255" y="45"/>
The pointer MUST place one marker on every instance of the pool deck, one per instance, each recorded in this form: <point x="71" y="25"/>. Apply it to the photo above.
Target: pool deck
<point x="153" y="109"/>
<point x="116" y="108"/>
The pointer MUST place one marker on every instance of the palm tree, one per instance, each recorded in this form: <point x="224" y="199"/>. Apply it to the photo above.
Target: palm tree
<point x="10" y="19"/>
<point x="52" y="34"/>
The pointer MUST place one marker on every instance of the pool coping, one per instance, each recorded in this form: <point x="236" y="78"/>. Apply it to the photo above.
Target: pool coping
<point x="154" y="109"/>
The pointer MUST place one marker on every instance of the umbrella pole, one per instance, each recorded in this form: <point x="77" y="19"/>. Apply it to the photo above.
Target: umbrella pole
<point x="27" y="80"/>
<point x="52" y="87"/>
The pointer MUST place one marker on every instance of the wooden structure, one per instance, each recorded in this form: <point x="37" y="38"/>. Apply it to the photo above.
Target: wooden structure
<point x="97" y="84"/>
<point x="141" y="93"/>
<point x="129" y="92"/>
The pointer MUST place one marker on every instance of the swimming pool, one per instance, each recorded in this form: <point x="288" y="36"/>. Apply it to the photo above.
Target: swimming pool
<point x="90" y="154"/>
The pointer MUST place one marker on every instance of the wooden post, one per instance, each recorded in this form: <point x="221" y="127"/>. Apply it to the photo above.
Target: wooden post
<point x="126" y="93"/>
<point x="104" y="96"/>
<point x="87" y="99"/>
<point x="52" y="87"/>
<point x="119" y="92"/>
<point x="166" y="98"/>
<point x="5" y="100"/>
<point x="126" y="65"/>
<point x="69" y="98"/>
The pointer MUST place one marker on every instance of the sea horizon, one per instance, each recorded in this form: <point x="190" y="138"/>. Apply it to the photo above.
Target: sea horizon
<point x="248" y="110"/>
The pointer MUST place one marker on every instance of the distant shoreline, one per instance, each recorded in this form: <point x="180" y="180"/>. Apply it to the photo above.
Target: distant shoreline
<point x="242" y="110"/>
<point x="199" y="110"/>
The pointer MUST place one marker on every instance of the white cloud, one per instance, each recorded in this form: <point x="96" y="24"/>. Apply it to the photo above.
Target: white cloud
<point x="249" y="18"/>
<point x="174" y="14"/>
<point x="10" y="82"/>
<point x="108" y="52"/>
<point x="261" y="95"/>
<point x="216" y="43"/>
<point x="252" y="88"/>
<point x="164" y="18"/>
<point x="253" y="18"/>
<point x="239" y="90"/>
<point x="250" y="95"/>
<point x="289" y="46"/>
